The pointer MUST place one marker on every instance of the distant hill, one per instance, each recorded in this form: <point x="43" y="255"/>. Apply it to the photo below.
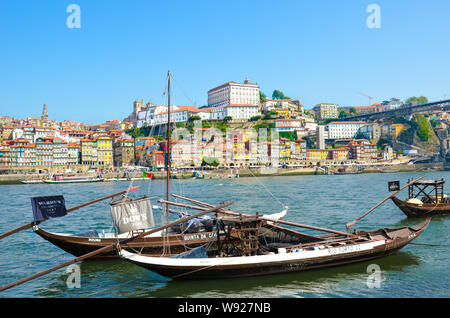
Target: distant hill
<point x="420" y="135"/>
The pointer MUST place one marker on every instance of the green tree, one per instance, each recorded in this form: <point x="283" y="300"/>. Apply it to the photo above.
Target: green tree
<point x="417" y="100"/>
<point x="227" y="119"/>
<point x="210" y="161"/>
<point x="279" y="95"/>
<point x="194" y="118"/>
<point x="262" y="97"/>
<point x="267" y="116"/>
<point x="291" y="135"/>
<point x="423" y="130"/>
<point x="255" y="118"/>
<point x="342" y="114"/>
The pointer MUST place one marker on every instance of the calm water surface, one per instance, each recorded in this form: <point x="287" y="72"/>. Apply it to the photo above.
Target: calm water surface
<point x="327" y="201"/>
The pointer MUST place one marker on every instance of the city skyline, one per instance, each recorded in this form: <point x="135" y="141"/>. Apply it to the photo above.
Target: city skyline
<point x="315" y="52"/>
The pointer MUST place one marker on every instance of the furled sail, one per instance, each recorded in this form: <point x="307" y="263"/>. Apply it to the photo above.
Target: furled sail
<point x="132" y="214"/>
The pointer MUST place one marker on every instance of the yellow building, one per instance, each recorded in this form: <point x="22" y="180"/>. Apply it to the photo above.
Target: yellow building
<point x="88" y="151"/>
<point x="317" y="154"/>
<point x="104" y="151"/>
<point x="283" y="112"/>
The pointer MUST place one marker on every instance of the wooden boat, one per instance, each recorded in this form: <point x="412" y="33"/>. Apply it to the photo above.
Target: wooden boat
<point x="84" y="243"/>
<point x="257" y="257"/>
<point x="180" y="239"/>
<point x="425" y="198"/>
<point x="71" y="179"/>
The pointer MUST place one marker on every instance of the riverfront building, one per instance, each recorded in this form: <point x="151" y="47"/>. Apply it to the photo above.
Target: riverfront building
<point x="344" y="129"/>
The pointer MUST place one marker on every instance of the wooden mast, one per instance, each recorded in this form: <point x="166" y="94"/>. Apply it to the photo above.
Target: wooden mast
<point x="168" y="148"/>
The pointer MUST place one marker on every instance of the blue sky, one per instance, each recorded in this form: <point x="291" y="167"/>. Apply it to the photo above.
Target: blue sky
<point x="317" y="51"/>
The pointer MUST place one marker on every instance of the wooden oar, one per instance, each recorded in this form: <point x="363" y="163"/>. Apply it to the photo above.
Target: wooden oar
<point x="350" y="224"/>
<point x="113" y="246"/>
<point x="311" y="227"/>
<point x="29" y="225"/>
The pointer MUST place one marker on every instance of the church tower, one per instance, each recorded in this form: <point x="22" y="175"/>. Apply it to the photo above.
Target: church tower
<point x="44" y="113"/>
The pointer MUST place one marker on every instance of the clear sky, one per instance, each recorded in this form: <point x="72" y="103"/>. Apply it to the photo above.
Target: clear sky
<point x="316" y="51"/>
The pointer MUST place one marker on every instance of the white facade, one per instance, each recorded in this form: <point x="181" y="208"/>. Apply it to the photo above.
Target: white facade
<point x="344" y="129"/>
<point x="72" y="155"/>
<point x="296" y="125"/>
<point x="236" y="112"/>
<point x="158" y="115"/>
<point x="326" y="110"/>
<point x="234" y="93"/>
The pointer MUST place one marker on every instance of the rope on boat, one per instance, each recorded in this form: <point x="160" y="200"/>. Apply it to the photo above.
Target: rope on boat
<point x="262" y="184"/>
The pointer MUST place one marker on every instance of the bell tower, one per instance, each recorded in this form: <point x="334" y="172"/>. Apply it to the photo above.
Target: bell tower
<point x="44" y="113"/>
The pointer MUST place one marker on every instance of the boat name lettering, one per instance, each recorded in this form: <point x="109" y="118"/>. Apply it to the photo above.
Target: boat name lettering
<point x="199" y="236"/>
<point x="94" y="240"/>
<point x="344" y="249"/>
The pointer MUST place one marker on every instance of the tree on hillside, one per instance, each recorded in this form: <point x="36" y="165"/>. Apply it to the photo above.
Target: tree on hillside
<point x="342" y="114"/>
<point x="417" y="100"/>
<point x="393" y="99"/>
<point x="262" y="97"/>
<point x="423" y="130"/>
<point x="279" y="95"/>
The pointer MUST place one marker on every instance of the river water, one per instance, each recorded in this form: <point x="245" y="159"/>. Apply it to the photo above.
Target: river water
<point x="418" y="270"/>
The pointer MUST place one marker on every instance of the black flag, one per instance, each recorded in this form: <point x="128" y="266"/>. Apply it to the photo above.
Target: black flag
<point x="394" y="186"/>
<point x="48" y="207"/>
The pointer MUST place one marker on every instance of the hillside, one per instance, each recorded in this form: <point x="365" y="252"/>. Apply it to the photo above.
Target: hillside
<point x="420" y="135"/>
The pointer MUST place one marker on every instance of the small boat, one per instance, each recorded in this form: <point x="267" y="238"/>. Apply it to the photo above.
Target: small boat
<point x="388" y="171"/>
<point x="72" y="179"/>
<point x="425" y="198"/>
<point x="198" y="175"/>
<point x="32" y="181"/>
<point x="257" y="255"/>
<point x="116" y="179"/>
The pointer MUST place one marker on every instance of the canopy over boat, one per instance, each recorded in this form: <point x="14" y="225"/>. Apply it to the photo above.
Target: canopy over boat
<point x="132" y="214"/>
<point x="425" y="198"/>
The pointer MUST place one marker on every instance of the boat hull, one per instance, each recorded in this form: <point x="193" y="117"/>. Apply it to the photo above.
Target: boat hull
<point x="424" y="210"/>
<point x="383" y="242"/>
<point x="154" y="245"/>
<point x="73" y="181"/>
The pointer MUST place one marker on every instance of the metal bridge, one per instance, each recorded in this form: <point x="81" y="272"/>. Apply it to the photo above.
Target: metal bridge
<point x="405" y="110"/>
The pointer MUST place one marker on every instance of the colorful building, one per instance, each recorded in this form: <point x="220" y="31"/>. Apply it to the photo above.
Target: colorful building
<point x="123" y="152"/>
<point x="104" y="151"/>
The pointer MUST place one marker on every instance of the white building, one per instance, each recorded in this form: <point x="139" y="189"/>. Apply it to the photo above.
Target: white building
<point x="321" y="135"/>
<point x="60" y="149"/>
<point x="234" y="93"/>
<point x="179" y="114"/>
<point x="326" y="110"/>
<point x="289" y="125"/>
<point x="235" y="111"/>
<point x="344" y="129"/>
